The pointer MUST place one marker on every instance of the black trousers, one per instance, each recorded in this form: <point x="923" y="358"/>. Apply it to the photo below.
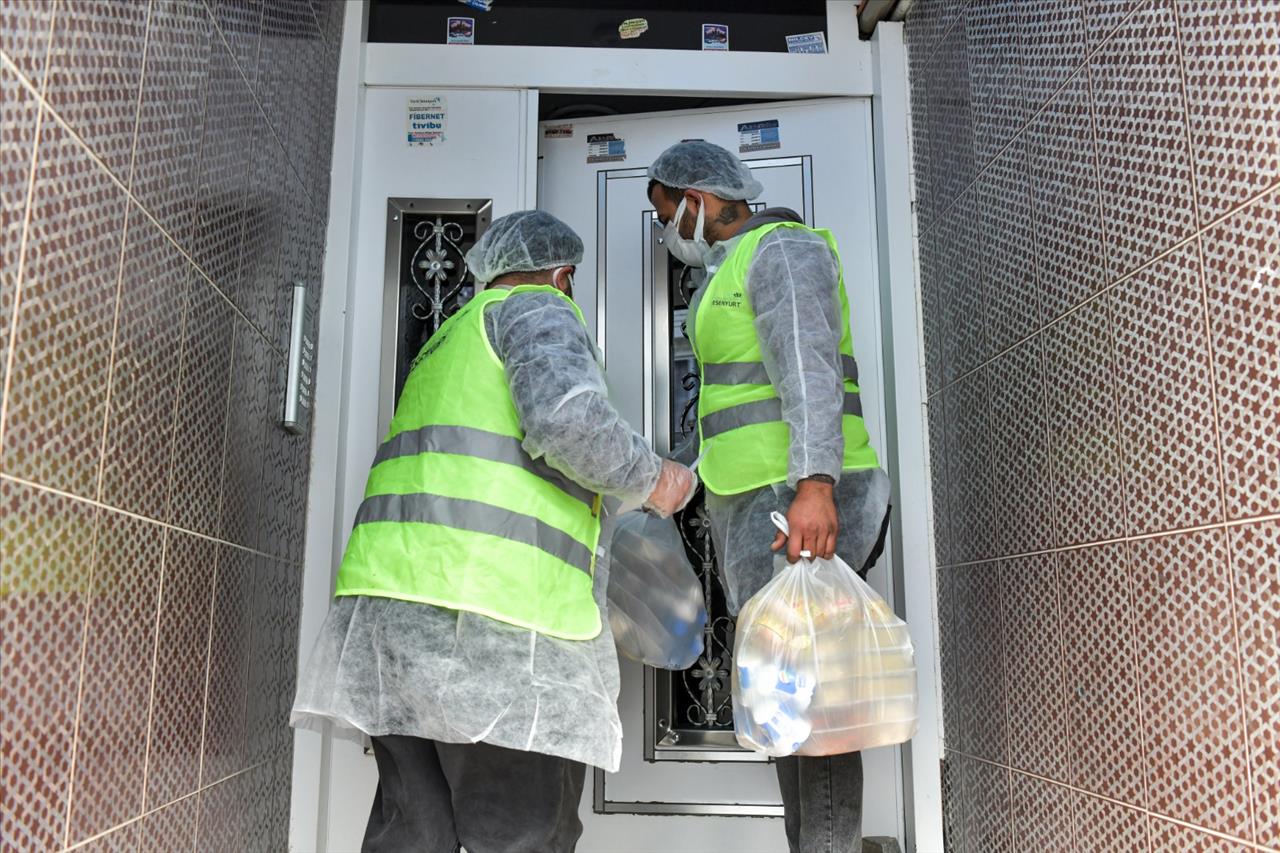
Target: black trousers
<point x="822" y="801"/>
<point x="434" y="797"/>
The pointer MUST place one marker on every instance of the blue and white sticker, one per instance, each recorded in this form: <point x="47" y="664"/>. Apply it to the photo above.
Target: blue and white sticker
<point x="715" y="36"/>
<point x="426" y="120"/>
<point x="461" y="31"/>
<point x="605" y="148"/>
<point x="807" y="43"/>
<point x="758" y="136"/>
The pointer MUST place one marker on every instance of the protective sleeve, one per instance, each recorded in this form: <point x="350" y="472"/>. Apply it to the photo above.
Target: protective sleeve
<point x="793" y="283"/>
<point x="562" y="400"/>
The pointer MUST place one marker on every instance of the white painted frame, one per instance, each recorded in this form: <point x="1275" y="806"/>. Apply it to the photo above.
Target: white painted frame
<point x="844" y="70"/>
<point x="853" y="68"/>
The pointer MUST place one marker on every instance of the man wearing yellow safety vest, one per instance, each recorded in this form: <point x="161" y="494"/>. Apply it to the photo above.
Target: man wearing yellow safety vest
<point x="466" y="638"/>
<point x="779" y="417"/>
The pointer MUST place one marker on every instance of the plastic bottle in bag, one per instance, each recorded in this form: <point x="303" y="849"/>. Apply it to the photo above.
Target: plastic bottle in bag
<point x="656" y="607"/>
<point x="823" y="665"/>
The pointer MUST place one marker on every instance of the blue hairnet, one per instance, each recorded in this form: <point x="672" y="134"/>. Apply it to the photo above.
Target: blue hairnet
<point x="700" y="165"/>
<point x="524" y="241"/>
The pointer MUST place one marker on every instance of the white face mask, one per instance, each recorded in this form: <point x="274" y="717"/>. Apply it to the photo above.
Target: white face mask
<point x="567" y="279"/>
<point x="692" y="252"/>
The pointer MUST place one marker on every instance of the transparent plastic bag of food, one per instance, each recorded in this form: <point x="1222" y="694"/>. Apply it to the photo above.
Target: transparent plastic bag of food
<point x="822" y="665"/>
<point x="656" y="607"/>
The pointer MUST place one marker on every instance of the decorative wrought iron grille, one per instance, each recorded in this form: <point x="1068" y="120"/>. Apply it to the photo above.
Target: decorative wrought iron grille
<point x="427" y="244"/>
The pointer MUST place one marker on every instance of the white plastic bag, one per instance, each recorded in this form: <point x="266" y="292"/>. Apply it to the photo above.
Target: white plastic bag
<point x="823" y="666"/>
<point x="656" y="608"/>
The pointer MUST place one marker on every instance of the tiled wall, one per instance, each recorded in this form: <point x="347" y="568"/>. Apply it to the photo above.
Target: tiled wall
<point x="1098" y="189"/>
<point x="165" y="174"/>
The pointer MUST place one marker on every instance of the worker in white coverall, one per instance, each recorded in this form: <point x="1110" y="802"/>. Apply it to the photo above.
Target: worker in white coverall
<point x="779" y="418"/>
<point x="465" y="640"/>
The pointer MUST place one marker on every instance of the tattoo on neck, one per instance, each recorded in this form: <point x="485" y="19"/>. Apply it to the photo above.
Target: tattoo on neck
<point x="728" y="214"/>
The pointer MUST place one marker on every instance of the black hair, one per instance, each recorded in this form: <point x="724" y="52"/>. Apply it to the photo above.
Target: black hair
<point x="673" y="195"/>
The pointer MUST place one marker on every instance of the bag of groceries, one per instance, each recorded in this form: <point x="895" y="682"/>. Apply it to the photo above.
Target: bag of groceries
<point x="823" y="666"/>
<point x="656" y="608"/>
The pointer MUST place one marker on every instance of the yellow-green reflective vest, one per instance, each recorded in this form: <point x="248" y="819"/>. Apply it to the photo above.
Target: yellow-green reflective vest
<point x="744" y="440"/>
<point x="456" y="514"/>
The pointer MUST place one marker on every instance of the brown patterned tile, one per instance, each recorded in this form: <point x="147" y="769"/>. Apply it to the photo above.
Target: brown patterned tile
<point x="1145" y="165"/>
<point x="1165" y="397"/>
<point x="987" y="808"/>
<point x="982" y="661"/>
<point x="17" y="149"/>
<point x="1098" y="626"/>
<point x="965" y="324"/>
<point x="26" y="25"/>
<point x="48" y="551"/>
<point x="1041" y="816"/>
<point x="223" y="176"/>
<point x="952" y="803"/>
<point x="1101" y="825"/>
<point x="933" y="304"/>
<point x="1068" y="222"/>
<point x="1242" y="277"/>
<point x="171" y="117"/>
<point x="1188" y="676"/>
<point x="1008" y="255"/>
<point x="95" y="72"/>
<point x="182" y="653"/>
<point x="950" y="646"/>
<point x="170" y="829"/>
<point x="969" y="469"/>
<point x="1083" y="441"/>
<point x="116" y="696"/>
<point x="122" y="840"/>
<point x="57" y="396"/>
<point x="935" y="416"/>
<point x="330" y="16"/>
<point x="1103" y="17"/>
<point x="1022" y="477"/>
<point x="292" y="264"/>
<point x="220" y="827"/>
<point x="920" y="130"/>
<point x="995" y="75"/>
<point x="1038" y="734"/>
<point x="273" y="667"/>
<point x="155" y="278"/>
<point x="242" y="463"/>
<point x="284" y="476"/>
<point x="1052" y="37"/>
<point x="1231" y="60"/>
<point x="1255" y="552"/>
<point x="196" y="484"/>
<point x="267" y="209"/>
<point x="1169" y="837"/>
<point x="950" y="111"/>
<point x="240" y="23"/>
<point x="229" y="650"/>
<point x="265" y="798"/>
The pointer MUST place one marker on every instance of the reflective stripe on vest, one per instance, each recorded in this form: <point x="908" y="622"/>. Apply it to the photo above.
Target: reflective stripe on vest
<point x="753" y="372"/>
<point x="476" y="517"/>
<point x="456" y="514"/>
<point x="760" y="412"/>
<point x="468" y="441"/>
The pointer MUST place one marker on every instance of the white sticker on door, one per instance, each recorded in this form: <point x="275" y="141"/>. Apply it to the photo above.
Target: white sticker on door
<point x="758" y="136"/>
<point x="605" y="148"/>
<point x="426" y="120"/>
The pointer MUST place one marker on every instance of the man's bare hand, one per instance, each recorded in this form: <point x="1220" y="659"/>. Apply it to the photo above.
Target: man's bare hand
<point x="813" y="522"/>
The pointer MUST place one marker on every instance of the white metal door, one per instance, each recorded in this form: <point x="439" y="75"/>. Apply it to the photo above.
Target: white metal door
<point x="822" y="168"/>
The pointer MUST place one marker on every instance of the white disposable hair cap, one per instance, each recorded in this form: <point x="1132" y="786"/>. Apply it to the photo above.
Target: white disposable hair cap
<point x="699" y="165"/>
<point x="524" y="241"/>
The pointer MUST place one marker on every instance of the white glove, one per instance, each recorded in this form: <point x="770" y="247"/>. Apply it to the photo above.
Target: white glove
<point x="676" y="485"/>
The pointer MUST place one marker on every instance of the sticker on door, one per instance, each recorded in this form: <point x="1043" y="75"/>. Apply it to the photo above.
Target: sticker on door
<point x="605" y="148"/>
<point x="758" y="136"/>
<point x="426" y="120"/>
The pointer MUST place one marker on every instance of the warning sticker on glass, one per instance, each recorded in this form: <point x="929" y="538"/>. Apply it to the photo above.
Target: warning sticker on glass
<point x="807" y="43"/>
<point x="605" y="148"/>
<point x="461" y="31"/>
<point x="426" y="120"/>
<point x="557" y="131"/>
<point x="715" y="36"/>
<point x="758" y="136"/>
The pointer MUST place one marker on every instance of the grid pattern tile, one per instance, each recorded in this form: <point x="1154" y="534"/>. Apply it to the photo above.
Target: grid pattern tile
<point x="1099" y="239"/>
<point x="150" y="156"/>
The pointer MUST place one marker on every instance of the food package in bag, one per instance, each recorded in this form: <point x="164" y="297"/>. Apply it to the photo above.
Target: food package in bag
<point x="823" y="666"/>
<point x="656" y="607"/>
